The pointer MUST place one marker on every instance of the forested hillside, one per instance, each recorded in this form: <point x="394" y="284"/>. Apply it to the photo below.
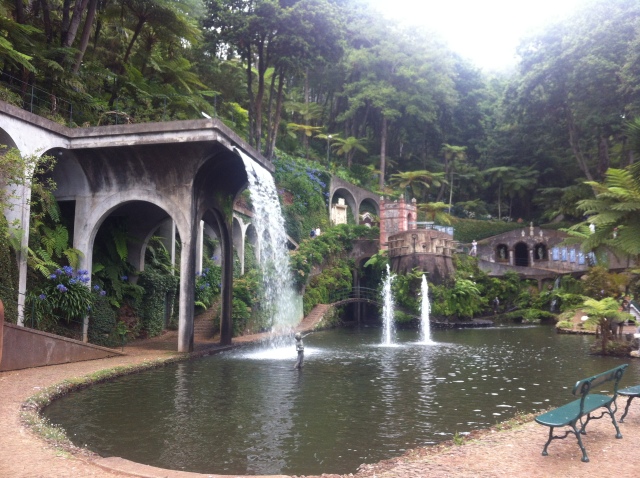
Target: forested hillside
<point x="334" y="81"/>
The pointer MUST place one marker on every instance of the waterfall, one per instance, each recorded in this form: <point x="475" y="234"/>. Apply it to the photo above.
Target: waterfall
<point x="425" y="312"/>
<point x="273" y="255"/>
<point x="554" y="301"/>
<point x="387" y="309"/>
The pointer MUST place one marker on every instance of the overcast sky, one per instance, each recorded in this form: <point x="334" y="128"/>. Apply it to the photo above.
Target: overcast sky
<point x="483" y="31"/>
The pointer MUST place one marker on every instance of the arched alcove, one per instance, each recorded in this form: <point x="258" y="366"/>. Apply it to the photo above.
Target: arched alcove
<point x="502" y="253"/>
<point x="521" y="254"/>
<point x="540" y="253"/>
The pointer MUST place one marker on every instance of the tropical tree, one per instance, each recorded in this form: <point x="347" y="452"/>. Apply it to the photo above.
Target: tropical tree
<point x="418" y="182"/>
<point x="615" y="212"/>
<point x="603" y="313"/>
<point x="499" y="175"/>
<point x="347" y="147"/>
<point x="453" y="156"/>
<point x="436" y="212"/>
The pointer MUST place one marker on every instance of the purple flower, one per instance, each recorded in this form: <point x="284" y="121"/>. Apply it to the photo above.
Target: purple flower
<point x="61" y="288"/>
<point x="68" y="270"/>
<point x="42" y="297"/>
<point x="96" y="287"/>
<point x="72" y="281"/>
<point x="53" y="276"/>
<point x="103" y="292"/>
<point x="83" y="272"/>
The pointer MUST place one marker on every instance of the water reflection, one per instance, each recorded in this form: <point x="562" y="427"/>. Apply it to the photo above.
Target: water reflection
<point x="249" y="412"/>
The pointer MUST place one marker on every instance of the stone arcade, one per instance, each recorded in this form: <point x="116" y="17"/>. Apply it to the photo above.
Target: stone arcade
<point x="182" y="176"/>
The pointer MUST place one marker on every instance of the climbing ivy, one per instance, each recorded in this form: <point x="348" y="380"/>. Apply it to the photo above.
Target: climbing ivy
<point x="160" y="291"/>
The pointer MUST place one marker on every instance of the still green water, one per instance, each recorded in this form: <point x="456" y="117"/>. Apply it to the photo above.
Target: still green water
<point x="248" y="412"/>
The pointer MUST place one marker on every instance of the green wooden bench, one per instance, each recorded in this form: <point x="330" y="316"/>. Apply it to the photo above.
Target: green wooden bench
<point x="571" y="414"/>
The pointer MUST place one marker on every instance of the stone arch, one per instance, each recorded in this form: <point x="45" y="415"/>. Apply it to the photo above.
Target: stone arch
<point x="521" y="254"/>
<point x="349" y="199"/>
<point x="6" y="139"/>
<point x="369" y="205"/>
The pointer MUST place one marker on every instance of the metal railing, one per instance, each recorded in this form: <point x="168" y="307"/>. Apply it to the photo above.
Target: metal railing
<point x="356" y="293"/>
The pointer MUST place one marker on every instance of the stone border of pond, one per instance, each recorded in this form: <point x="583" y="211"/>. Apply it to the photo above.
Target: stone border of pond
<point x="511" y="447"/>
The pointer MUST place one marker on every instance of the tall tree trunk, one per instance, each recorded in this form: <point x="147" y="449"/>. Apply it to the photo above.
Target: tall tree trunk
<point x="252" y="119"/>
<point x="262" y="67"/>
<point x="383" y="152"/>
<point x="46" y="17"/>
<point x="70" y="35"/>
<point x="19" y="11"/>
<point x="86" y="34"/>
<point x="64" y="24"/>
<point x="270" y="113"/>
<point x="575" y="146"/>
<point x="121" y="67"/>
<point x="499" y="201"/>
<point x="603" y="156"/>
<point x="278" y="115"/>
<point x="305" y="138"/>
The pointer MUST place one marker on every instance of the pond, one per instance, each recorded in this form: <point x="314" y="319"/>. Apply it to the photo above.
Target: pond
<point x="248" y="411"/>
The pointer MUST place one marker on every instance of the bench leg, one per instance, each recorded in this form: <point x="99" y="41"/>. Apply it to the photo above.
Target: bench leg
<point x="577" y="433"/>
<point x="613" y="420"/>
<point x="544" y="450"/>
<point x="626" y="408"/>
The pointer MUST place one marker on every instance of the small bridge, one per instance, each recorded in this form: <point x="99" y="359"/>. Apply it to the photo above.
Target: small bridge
<point x="356" y="294"/>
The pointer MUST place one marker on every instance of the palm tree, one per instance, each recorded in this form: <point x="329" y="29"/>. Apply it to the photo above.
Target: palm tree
<point x="328" y="138"/>
<point x="306" y="130"/>
<point x="615" y="211"/>
<point x="418" y="182"/>
<point x="524" y="181"/>
<point x="603" y="313"/>
<point x="435" y="212"/>
<point x="499" y="175"/>
<point x="348" y="147"/>
<point x="452" y="155"/>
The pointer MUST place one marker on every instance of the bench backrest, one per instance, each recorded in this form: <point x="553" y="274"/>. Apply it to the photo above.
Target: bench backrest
<point x="584" y="386"/>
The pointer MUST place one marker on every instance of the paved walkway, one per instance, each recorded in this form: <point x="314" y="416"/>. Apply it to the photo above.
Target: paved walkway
<point x="492" y="453"/>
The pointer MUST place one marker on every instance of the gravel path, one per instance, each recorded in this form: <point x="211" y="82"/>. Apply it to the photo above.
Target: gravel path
<point x="491" y="453"/>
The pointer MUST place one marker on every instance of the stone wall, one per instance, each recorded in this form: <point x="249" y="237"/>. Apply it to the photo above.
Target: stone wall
<point x="22" y="347"/>
<point x="425" y="249"/>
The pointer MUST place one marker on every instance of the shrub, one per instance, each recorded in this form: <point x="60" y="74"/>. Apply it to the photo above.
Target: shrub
<point x="64" y="295"/>
<point x="157" y="303"/>
<point x="102" y="324"/>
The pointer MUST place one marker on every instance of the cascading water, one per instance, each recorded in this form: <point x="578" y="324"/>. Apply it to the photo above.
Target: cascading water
<point x="280" y="297"/>
<point x="554" y="302"/>
<point x="425" y="312"/>
<point x="388" y="306"/>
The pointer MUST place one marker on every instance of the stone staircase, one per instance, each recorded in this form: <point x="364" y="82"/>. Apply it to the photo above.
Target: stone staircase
<point x="315" y="316"/>
<point x="203" y="329"/>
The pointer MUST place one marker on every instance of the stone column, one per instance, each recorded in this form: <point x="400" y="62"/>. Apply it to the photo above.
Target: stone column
<point x="511" y="257"/>
<point x="226" y="296"/>
<point x="199" y="246"/>
<point x="187" y="287"/>
<point x="83" y="224"/>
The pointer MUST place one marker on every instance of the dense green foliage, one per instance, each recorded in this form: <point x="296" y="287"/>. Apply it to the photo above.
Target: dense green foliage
<point x="335" y="82"/>
<point x="158" y="301"/>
